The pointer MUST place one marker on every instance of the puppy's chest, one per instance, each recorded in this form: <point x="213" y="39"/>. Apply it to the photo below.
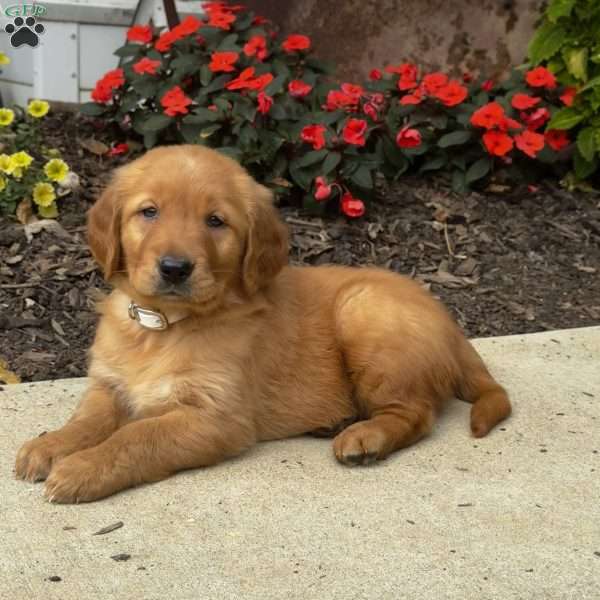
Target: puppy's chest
<point x="179" y="374"/>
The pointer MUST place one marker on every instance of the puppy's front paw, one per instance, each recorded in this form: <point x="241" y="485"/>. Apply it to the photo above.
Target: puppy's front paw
<point x="360" y="444"/>
<point x="75" y="478"/>
<point x="35" y="458"/>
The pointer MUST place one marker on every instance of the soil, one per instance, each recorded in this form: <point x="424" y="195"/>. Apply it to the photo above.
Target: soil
<point x="522" y="261"/>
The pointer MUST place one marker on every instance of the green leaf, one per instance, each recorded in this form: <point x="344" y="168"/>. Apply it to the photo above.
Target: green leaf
<point x="591" y="84"/>
<point x="312" y="157"/>
<point x="128" y="50"/>
<point x="228" y="43"/>
<point x="547" y="41"/>
<point x="218" y="83"/>
<point x="459" y="182"/>
<point x="478" y="170"/>
<point x="434" y="164"/>
<point x="155" y="123"/>
<point x="362" y="178"/>
<point x="201" y="115"/>
<point x="586" y="143"/>
<point x="231" y="151"/>
<point x="209" y="130"/>
<point x="205" y="75"/>
<point x="276" y="85"/>
<point x="559" y="8"/>
<point x="565" y="118"/>
<point x="583" y="167"/>
<point x="146" y="86"/>
<point x="150" y="139"/>
<point x="331" y="162"/>
<point x="190" y="132"/>
<point x="456" y="138"/>
<point x="92" y="109"/>
<point x="576" y="61"/>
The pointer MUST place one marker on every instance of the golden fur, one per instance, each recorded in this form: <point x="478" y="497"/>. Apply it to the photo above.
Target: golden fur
<point x="263" y="351"/>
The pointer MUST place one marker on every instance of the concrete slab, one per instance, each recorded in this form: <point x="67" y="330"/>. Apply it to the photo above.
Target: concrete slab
<point x="513" y="515"/>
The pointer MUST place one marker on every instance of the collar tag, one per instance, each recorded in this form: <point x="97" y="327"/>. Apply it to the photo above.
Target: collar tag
<point x="150" y="319"/>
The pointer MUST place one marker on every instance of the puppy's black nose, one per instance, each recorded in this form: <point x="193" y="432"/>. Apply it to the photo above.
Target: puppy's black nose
<point x="175" y="269"/>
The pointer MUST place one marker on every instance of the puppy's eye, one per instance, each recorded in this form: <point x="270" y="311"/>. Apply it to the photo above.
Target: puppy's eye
<point x="215" y="221"/>
<point x="150" y="212"/>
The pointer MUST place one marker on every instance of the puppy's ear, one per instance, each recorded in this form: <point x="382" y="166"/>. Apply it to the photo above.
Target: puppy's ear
<point x="267" y="243"/>
<point x="104" y="231"/>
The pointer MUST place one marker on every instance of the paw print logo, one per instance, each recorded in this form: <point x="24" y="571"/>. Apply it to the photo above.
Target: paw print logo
<point x="24" y="31"/>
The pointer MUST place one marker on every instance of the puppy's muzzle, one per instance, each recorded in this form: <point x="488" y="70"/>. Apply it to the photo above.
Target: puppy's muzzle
<point x="175" y="270"/>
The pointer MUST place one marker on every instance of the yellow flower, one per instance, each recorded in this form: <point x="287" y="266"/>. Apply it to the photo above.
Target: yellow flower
<point x="16" y="172"/>
<point x="5" y="163"/>
<point x="2" y="183"/>
<point x="7" y="116"/>
<point x="43" y="194"/>
<point x="21" y="159"/>
<point x="4" y="60"/>
<point x="38" y="108"/>
<point x="56" y="169"/>
<point x="48" y="212"/>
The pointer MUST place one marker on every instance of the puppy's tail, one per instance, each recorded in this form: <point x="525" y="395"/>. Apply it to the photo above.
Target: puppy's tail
<point x="490" y="400"/>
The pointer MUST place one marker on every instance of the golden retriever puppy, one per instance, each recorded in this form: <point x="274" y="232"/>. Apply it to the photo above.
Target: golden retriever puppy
<point x="210" y="343"/>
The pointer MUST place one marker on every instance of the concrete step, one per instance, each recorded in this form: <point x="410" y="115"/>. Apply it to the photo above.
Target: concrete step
<point x="513" y="515"/>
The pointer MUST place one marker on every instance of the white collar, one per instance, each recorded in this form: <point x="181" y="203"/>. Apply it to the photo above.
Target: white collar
<point x="152" y="319"/>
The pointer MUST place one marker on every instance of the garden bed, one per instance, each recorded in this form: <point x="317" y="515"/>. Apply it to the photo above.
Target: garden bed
<point x="516" y="262"/>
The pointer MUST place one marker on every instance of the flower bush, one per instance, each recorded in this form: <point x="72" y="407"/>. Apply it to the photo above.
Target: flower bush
<point x="24" y="178"/>
<point x="568" y="43"/>
<point x="230" y="81"/>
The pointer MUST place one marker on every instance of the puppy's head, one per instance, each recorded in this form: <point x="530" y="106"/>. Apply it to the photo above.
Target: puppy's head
<point x="183" y="225"/>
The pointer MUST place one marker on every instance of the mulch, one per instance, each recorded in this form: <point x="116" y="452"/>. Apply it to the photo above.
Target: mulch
<point x="517" y="262"/>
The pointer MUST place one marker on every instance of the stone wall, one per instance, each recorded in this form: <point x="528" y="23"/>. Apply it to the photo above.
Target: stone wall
<point x="486" y="35"/>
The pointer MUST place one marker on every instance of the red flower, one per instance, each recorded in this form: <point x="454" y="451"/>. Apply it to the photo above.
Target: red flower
<point x="452" y="94"/>
<point x="188" y="26"/>
<point x="408" y="138"/>
<point x="524" y="101"/>
<point x="298" y="88"/>
<point x="405" y="69"/>
<point x="530" y="142"/>
<point x="114" y="78"/>
<point x="568" y="96"/>
<point x="488" y="116"/>
<point x="467" y="77"/>
<point x="322" y="190"/>
<point x="101" y="93"/>
<point x="536" y="119"/>
<point x="247" y="81"/>
<point x="354" y="132"/>
<point x="375" y="75"/>
<point x="223" y="61"/>
<point x="541" y="77"/>
<point x="434" y="81"/>
<point x="258" y="20"/>
<point x="165" y="41"/>
<point x="415" y="98"/>
<point x="111" y="80"/>
<point x="337" y="99"/>
<point x="140" y="33"/>
<point x="370" y="110"/>
<point x="507" y="123"/>
<point x="557" y="139"/>
<point x="315" y="135"/>
<point x="256" y="46"/>
<point x="119" y="149"/>
<point x="352" y="207"/>
<point x="488" y="85"/>
<point x="175" y="102"/>
<point x="497" y="143"/>
<point x="295" y="42"/>
<point x="264" y="103"/>
<point x="221" y="20"/>
<point x="146" y="66"/>
<point x="353" y="90"/>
